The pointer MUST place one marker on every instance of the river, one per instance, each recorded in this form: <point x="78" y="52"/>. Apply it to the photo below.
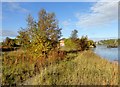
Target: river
<point x="110" y="54"/>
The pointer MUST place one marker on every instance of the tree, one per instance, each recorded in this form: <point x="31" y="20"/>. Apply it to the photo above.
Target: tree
<point x="47" y="32"/>
<point x="74" y="34"/>
<point x="70" y="44"/>
<point x="42" y="35"/>
<point x="48" y="24"/>
<point x="25" y="35"/>
<point x="83" y="43"/>
<point x="6" y="42"/>
<point x="91" y="43"/>
<point x="24" y="38"/>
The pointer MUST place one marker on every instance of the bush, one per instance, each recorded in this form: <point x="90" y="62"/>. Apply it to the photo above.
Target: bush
<point x="17" y="67"/>
<point x="70" y="44"/>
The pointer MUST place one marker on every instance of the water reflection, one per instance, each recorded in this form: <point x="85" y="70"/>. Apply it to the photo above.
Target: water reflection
<point x="108" y="53"/>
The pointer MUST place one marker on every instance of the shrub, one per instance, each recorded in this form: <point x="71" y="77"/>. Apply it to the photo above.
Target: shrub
<point x="70" y="44"/>
<point x="19" y="66"/>
<point x="16" y="67"/>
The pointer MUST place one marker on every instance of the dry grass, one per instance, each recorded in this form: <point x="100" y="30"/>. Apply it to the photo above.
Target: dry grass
<point x="20" y="65"/>
<point x="86" y="69"/>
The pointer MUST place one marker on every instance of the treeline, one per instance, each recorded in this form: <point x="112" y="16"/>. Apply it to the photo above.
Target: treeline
<point x="8" y="42"/>
<point x="80" y="44"/>
<point x="44" y="35"/>
<point x="109" y="42"/>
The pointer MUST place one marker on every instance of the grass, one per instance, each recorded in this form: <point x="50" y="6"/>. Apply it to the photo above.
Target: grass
<point x="86" y="68"/>
<point x="16" y="67"/>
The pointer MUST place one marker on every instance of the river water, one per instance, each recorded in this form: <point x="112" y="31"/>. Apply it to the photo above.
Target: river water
<point x="110" y="54"/>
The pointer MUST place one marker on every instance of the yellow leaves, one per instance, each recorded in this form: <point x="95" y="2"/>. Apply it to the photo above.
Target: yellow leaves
<point x="35" y="50"/>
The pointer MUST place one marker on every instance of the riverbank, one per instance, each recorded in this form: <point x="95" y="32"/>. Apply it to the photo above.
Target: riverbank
<point x="112" y="46"/>
<point x="86" y="68"/>
<point x="82" y="68"/>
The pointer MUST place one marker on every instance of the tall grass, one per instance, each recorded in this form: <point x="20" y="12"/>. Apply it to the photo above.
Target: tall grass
<point x="85" y="69"/>
<point x="18" y="66"/>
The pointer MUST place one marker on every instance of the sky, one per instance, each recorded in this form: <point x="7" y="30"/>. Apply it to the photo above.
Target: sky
<point x="94" y="19"/>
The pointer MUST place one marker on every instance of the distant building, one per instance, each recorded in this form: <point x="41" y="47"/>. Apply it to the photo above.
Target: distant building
<point x="62" y="42"/>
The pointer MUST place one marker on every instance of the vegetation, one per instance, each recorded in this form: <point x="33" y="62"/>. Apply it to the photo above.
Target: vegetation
<point x="39" y="43"/>
<point x="40" y="57"/>
<point x="80" y="44"/>
<point x="109" y="42"/>
<point x="8" y="42"/>
<point x="85" y="69"/>
<point x="69" y="45"/>
<point x="74" y="34"/>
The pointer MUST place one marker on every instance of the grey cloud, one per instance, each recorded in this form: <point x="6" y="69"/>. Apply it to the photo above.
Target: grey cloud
<point x="8" y="33"/>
